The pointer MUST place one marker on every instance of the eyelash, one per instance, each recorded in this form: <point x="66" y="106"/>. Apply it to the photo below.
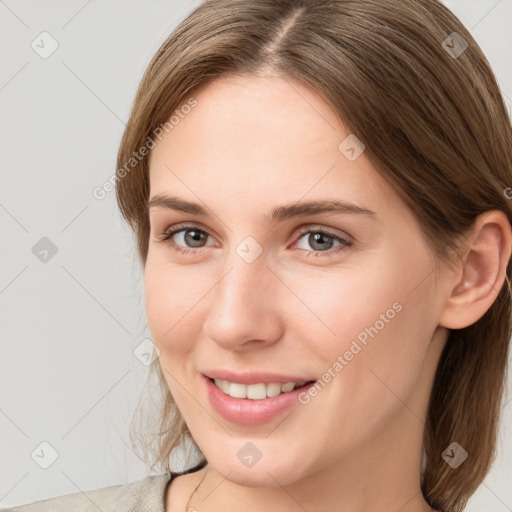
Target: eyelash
<point x="167" y="235"/>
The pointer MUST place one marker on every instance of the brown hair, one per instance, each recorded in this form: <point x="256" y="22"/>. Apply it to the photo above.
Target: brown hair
<point x="434" y="125"/>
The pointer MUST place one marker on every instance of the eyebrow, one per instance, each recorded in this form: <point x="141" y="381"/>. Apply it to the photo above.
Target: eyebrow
<point x="280" y="213"/>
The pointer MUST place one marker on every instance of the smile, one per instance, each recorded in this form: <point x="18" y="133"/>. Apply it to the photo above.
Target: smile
<point x="258" y="391"/>
<point x="252" y="411"/>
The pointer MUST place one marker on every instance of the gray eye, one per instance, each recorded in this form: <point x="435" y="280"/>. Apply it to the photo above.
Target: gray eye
<point x="318" y="241"/>
<point x="192" y="237"/>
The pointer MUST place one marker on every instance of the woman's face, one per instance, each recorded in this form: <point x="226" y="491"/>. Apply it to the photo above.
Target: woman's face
<point x="353" y="308"/>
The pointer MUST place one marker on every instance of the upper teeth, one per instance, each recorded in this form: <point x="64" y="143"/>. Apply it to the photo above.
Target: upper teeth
<point x="255" y="391"/>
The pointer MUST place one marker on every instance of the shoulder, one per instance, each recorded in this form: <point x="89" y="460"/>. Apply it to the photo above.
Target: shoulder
<point x="145" y="495"/>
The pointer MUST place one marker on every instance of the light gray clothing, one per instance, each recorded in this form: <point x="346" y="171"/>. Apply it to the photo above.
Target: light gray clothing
<point x="145" y="495"/>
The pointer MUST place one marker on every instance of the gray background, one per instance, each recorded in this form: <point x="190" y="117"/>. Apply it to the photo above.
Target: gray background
<point x="70" y="324"/>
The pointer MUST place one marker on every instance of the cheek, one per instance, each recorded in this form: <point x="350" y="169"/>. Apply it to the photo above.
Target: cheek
<point x="170" y="297"/>
<point x="376" y="320"/>
<point x="171" y="320"/>
<point x="339" y="307"/>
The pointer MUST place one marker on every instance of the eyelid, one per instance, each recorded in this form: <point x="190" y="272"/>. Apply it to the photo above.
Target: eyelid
<point x="327" y="230"/>
<point x="175" y="228"/>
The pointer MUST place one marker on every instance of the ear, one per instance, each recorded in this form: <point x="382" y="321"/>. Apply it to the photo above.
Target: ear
<point x="481" y="273"/>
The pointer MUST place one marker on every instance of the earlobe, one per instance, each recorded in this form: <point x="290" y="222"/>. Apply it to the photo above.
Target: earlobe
<point x="484" y="264"/>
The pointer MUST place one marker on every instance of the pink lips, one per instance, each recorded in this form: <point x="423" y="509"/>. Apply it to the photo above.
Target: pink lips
<point x="246" y="411"/>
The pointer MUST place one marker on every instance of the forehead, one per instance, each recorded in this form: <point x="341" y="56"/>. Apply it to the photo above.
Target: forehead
<point x="261" y="138"/>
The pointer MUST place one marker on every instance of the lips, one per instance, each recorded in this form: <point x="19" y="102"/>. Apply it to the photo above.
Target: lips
<point x="244" y="411"/>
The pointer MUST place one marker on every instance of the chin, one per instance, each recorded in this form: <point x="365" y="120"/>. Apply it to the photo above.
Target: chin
<point x="264" y="476"/>
<point x="270" y="470"/>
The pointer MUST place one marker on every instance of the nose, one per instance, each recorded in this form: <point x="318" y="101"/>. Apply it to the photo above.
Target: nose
<point x="245" y="305"/>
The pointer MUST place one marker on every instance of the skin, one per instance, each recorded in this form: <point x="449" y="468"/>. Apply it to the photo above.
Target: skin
<point x="250" y="145"/>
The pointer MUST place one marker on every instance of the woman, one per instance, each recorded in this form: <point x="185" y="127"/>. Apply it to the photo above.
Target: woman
<point x="319" y="195"/>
